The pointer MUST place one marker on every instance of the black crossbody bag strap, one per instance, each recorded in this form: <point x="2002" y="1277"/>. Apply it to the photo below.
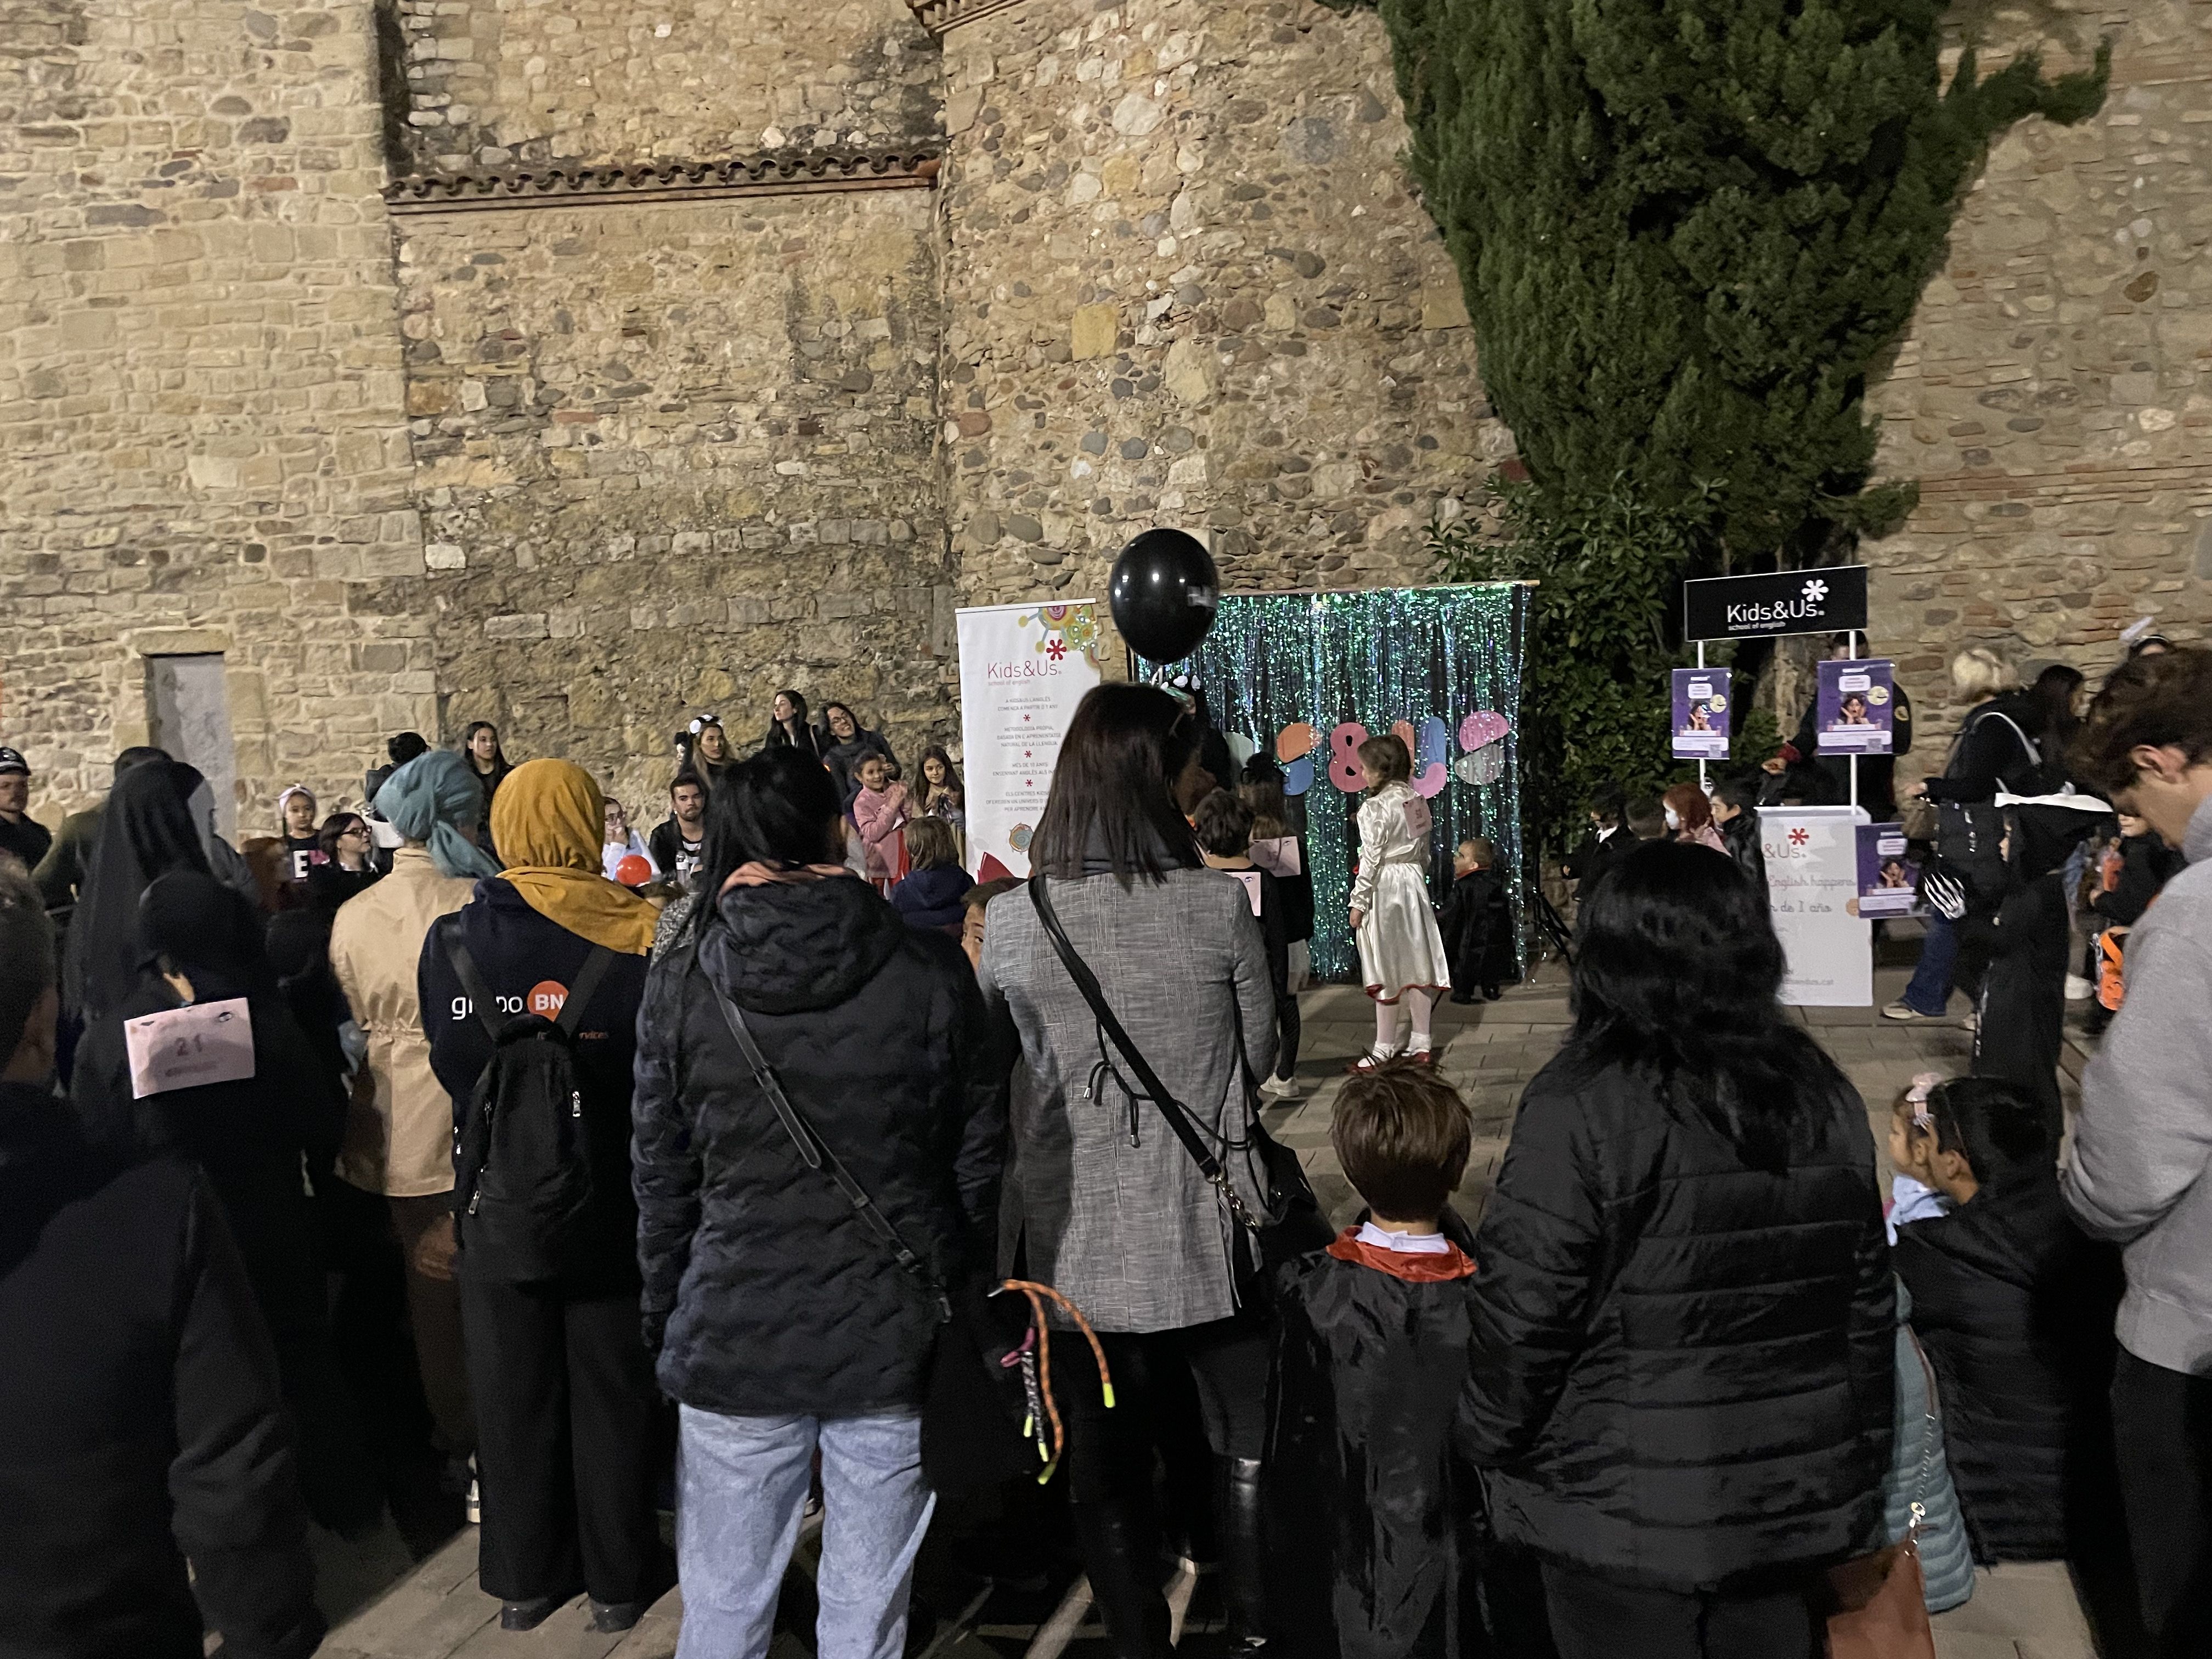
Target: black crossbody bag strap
<point x="817" y="1154"/>
<point x="1177" y="1115"/>
<point x="588" y="983"/>
<point x="471" y="977"/>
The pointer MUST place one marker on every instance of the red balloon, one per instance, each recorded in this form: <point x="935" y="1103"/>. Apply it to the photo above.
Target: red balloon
<point x="634" y="869"/>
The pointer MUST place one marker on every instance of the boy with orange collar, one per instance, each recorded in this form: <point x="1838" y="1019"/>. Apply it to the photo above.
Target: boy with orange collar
<point x="1367" y="1503"/>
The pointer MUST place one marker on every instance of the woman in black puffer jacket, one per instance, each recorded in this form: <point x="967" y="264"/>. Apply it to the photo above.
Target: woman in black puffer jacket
<point x="783" y="1323"/>
<point x="1683" y="1315"/>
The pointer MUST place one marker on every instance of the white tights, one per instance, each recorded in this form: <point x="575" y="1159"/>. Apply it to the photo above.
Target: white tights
<point x="1416" y="1002"/>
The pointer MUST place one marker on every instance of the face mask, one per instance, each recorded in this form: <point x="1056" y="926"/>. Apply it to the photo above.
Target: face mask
<point x="1674" y="819"/>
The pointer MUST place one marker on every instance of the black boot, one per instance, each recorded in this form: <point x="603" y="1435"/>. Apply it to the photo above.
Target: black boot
<point x="1125" y="1581"/>
<point x="1243" y="1555"/>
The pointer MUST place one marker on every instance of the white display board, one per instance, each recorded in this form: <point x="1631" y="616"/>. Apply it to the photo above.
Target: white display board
<point x="1812" y="883"/>
<point x="1023" y="669"/>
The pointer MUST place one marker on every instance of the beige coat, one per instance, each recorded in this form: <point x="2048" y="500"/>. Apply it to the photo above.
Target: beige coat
<point x="401" y="1142"/>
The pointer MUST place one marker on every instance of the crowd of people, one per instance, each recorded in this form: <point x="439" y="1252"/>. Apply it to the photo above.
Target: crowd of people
<point x="479" y="1154"/>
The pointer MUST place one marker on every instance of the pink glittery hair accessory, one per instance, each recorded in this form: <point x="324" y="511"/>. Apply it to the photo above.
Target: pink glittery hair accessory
<point x="1917" y="1097"/>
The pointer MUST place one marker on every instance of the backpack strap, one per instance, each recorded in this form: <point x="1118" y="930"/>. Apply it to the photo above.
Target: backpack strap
<point x="472" y="979"/>
<point x="588" y="984"/>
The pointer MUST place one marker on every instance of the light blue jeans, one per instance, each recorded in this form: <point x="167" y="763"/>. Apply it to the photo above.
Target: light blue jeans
<point x="740" y="1489"/>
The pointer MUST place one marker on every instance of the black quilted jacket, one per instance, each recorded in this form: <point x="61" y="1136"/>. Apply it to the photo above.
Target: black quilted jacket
<point x="1682" y="1367"/>
<point x="764" y="1292"/>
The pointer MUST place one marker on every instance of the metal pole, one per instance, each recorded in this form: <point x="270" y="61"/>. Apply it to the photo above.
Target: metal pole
<point x="1701" y="759"/>
<point x="1855" y="759"/>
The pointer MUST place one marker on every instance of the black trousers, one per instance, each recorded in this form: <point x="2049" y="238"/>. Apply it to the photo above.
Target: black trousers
<point x="2021" y="1024"/>
<point x="1287" y="1031"/>
<point x="1109" y="1452"/>
<point x="567" y="1418"/>
<point x="1596" y="1618"/>
<point x="2162" y="1433"/>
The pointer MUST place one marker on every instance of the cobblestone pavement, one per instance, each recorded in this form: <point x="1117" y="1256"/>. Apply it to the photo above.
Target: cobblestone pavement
<point x="1490" y="1052"/>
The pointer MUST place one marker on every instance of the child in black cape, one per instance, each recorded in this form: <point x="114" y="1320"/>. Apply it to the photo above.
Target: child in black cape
<point x="1478" y="925"/>
<point x="1373" y="1531"/>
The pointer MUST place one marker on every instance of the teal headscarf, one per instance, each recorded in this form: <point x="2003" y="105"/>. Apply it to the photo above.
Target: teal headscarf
<point x="424" y="799"/>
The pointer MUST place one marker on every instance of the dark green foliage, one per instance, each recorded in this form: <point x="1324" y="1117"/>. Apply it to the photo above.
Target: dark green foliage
<point x="1687" y="231"/>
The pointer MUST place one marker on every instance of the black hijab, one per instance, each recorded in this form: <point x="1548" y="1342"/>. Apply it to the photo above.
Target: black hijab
<point x="146" y="831"/>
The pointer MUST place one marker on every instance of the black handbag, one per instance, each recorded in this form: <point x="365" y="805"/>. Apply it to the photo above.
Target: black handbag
<point x="1288" y="1223"/>
<point x="974" y="1434"/>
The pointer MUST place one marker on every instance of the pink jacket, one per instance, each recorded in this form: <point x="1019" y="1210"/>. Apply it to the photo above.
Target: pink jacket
<point x="880" y="817"/>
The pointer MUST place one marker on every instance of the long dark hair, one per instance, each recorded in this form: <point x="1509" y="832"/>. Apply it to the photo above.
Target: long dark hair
<point x="2050" y="701"/>
<point x="779" y="738"/>
<point x="829" y="739"/>
<point x="776" y="807"/>
<point x="1677" y="977"/>
<point x="1113" y="787"/>
<point x="953" y="787"/>
<point x="500" y="765"/>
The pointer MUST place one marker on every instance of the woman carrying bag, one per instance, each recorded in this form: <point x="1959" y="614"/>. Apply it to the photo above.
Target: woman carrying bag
<point x="1113" y="1209"/>
<point x="800" y="1036"/>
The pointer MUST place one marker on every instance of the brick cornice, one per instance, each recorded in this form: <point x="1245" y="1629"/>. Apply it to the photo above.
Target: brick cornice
<point x="940" y="17"/>
<point x="565" y="185"/>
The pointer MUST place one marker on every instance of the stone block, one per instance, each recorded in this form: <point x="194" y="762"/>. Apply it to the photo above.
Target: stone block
<point x="1093" y="331"/>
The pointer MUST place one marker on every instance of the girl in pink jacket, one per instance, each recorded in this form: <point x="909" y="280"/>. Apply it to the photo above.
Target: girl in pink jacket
<point x="880" y="811"/>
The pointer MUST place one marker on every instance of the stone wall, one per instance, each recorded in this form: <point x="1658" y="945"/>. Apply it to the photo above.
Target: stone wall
<point x="1187" y="283"/>
<point x="494" y="82"/>
<point x="2053" y="397"/>
<point x="671" y="458"/>
<point x="201" y="425"/>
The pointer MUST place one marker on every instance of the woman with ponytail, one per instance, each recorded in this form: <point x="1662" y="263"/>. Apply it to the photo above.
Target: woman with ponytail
<point x="1684" y="1322"/>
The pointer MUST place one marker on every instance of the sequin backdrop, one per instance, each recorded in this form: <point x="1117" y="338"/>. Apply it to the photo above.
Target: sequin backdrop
<point x="1376" y="657"/>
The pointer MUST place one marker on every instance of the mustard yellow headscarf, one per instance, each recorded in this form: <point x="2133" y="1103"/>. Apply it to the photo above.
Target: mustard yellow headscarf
<point x="547" y="822"/>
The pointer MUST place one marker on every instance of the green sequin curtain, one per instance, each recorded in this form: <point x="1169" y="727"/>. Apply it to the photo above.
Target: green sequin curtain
<point x="1377" y="656"/>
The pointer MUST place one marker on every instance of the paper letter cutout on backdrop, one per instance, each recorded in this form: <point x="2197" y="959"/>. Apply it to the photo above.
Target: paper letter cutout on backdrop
<point x="1481" y="728"/>
<point x="1343" y="742"/>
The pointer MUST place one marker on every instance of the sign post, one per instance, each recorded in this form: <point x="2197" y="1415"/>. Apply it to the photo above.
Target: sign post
<point x="1811" y="852"/>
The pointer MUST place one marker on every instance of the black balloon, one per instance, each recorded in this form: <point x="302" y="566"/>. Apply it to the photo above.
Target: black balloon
<point x="1163" y="595"/>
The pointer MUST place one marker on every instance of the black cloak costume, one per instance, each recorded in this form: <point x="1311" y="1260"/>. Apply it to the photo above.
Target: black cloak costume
<point x="146" y="830"/>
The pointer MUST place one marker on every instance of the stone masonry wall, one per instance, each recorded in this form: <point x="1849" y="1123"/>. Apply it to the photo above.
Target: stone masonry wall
<point x="202" y="435"/>
<point x="494" y="82"/>
<point x="1187" y="284"/>
<point x="672" y="458"/>
<point x="2053" y="395"/>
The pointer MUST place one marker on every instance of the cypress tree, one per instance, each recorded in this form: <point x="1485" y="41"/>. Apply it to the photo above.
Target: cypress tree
<point x="1687" y="230"/>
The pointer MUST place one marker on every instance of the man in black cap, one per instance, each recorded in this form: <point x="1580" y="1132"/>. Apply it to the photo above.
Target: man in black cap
<point x="20" y="833"/>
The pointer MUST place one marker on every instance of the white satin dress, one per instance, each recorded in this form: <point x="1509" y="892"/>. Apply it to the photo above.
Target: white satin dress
<point x="1399" y="943"/>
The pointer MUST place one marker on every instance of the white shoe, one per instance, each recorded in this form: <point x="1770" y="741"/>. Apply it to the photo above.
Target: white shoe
<point x="475" y="1509"/>
<point x="1373" y="1058"/>
<point x="1282" y="1088"/>
<point x="1904" y="1011"/>
<point x="2078" y="990"/>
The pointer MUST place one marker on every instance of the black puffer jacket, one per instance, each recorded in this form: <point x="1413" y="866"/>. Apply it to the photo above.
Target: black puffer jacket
<point x="1682" y="1367"/>
<point x="764" y="1292"/>
<point x="2014" y="1310"/>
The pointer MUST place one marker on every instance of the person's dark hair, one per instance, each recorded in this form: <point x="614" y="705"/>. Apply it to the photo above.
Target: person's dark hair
<point x="1646" y="818"/>
<point x="1113" y="788"/>
<point x="336" y="824"/>
<point x="2150" y="643"/>
<point x="857" y="727"/>
<point x="2159" y="700"/>
<point x="1384" y="755"/>
<point x="188" y="919"/>
<point x="1677" y="978"/>
<point x="404" y="747"/>
<point x="1485" y="851"/>
<point x="1741" y="793"/>
<point x="777" y="807"/>
<point x="1223" y="824"/>
<point x="138" y="754"/>
<point x="2050" y="706"/>
<point x="953" y="787"/>
<point x="1261" y="789"/>
<point x="930" y="843"/>
<point x="1402" y="1134"/>
<point x="984" y="891"/>
<point x="1608" y="804"/>
<point x="1997" y="1127"/>
<point x="27" y="956"/>
<point x="686" y="778"/>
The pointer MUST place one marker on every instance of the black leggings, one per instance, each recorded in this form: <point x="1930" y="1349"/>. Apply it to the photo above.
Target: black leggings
<point x="1286" y="1034"/>
<point x="1109" y="1452"/>
<point x="1598" y="1617"/>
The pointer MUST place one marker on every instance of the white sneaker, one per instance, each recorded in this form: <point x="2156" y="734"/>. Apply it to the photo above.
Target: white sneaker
<point x="2078" y="990"/>
<point x="1903" y="1010"/>
<point x="475" y="1509"/>
<point x="1282" y="1088"/>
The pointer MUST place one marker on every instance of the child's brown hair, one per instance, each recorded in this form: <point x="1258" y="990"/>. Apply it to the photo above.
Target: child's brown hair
<point x="1403" y="1135"/>
<point x="1384" y="755"/>
<point x="1223" y="824"/>
<point x="929" y="843"/>
<point x="1480" y="849"/>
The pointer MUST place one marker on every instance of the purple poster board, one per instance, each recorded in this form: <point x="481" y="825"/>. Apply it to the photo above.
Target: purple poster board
<point x="1855" y="707"/>
<point x="1702" y="712"/>
<point x="1889" y="873"/>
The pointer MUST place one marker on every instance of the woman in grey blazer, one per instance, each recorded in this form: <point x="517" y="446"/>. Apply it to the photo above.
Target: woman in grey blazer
<point x="1111" y="1211"/>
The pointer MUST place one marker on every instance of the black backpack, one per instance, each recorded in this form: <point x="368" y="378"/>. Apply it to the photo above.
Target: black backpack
<point x="522" y="1162"/>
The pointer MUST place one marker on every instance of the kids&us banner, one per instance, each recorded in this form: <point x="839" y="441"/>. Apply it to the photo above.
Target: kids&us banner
<point x="1023" y="669"/>
<point x="1702" y="714"/>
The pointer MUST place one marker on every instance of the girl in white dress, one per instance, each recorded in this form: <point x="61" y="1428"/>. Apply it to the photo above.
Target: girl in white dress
<point x="1402" y="952"/>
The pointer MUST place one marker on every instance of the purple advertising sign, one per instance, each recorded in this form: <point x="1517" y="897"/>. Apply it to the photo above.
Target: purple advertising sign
<point x="1889" y="874"/>
<point x="1855" y="709"/>
<point x="1701" y="713"/>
